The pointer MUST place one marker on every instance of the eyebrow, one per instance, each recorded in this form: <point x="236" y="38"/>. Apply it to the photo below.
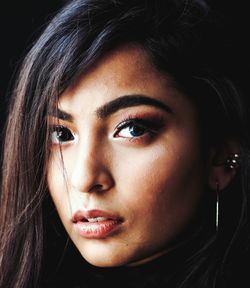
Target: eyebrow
<point x="60" y="114"/>
<point x="117" y="104"/>
<point x="129" y="101"/>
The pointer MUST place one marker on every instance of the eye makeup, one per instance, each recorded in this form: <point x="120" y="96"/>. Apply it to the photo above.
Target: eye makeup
<point x="139" y="127"/>
<point x="60" y="134"/>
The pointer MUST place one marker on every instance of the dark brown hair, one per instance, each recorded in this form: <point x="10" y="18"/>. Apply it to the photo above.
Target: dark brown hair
<point x="182" y="38"/>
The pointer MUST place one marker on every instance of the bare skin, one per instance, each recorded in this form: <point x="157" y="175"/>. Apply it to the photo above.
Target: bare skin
<point x="140" y="162"/>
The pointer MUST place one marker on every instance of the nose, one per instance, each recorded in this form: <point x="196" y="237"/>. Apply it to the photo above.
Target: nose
<point x="90" y="172"/>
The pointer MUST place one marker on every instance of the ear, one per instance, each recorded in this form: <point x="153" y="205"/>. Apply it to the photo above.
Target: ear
<point x="219" y="173"/>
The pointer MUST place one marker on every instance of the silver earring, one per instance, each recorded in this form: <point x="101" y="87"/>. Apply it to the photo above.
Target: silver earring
<point x="217" y="207"/>
<point x="233" y="161"/>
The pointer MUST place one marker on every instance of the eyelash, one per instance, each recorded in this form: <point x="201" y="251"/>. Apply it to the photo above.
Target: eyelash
<point x="148" y="128"/>
<point x="58" y="130"/>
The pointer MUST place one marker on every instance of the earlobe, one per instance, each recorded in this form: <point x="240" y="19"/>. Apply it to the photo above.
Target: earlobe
<point x="222" y="172"/>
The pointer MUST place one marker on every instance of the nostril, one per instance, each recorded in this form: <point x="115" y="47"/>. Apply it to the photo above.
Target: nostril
<point x="97" y="188"/>
<point x="84" y="180"/>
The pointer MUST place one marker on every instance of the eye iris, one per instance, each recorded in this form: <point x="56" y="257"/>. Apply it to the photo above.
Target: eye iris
<point x="136" y="131"/>
<point x="63" y="134"/>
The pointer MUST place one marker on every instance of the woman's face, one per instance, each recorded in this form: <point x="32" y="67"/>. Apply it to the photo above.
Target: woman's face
<point x="131" y="172"/>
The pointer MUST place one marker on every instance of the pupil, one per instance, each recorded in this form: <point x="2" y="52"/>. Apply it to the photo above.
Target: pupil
<point x="136" y="131"/>
<point x="63" y="134"/>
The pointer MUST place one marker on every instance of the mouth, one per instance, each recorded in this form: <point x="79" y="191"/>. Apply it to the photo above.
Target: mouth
<point x="95" y="224"/>
<point x="96" y="219"/>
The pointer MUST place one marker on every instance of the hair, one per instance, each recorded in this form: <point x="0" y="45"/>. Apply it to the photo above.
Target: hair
<point x="182" y="39"/>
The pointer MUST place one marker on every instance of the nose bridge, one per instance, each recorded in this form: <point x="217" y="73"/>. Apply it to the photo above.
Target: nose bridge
<point x="90" y="167"/>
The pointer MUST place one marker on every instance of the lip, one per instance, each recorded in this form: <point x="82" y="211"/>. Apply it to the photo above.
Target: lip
<point x="106" y="223"/>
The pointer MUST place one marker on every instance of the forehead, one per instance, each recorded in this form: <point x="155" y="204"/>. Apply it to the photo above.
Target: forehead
<point x="126" y="66"/>
<point x="126" y="70"/>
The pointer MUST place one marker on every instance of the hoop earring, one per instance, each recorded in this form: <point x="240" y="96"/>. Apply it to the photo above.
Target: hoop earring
<point x="231" y="163"/>
<point x="217" y="207"/>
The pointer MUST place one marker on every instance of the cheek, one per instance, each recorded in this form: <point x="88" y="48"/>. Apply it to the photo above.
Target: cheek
<point x="57" y="185"/>
<point x="162" y="183"/>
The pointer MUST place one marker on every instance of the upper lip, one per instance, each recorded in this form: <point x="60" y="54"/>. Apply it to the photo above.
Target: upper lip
<point x="81" y="215"/>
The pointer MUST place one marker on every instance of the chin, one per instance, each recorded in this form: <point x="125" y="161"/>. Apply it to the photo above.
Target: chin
<point x="103" y="262"/>
<point x="105" y="258"/>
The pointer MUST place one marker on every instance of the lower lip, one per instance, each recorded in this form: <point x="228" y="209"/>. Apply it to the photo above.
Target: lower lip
<point x="97" y="230"/>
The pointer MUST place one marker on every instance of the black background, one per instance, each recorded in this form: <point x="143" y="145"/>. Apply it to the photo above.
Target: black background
<point x="22" y="21"/>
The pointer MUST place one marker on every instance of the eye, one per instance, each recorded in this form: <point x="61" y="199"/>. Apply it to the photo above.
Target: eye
<point x="131" y="130"/>
<point x="61" y="134"/>
<point x="137" y="128"/>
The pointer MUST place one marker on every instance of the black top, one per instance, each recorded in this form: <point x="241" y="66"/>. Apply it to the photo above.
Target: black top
<point x="150" y="275"/>
<point x="168" y="271"/>
<point x="162" y="272"/>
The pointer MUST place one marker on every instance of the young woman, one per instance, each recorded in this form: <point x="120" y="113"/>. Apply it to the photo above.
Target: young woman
<point x="124" y="122"/>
